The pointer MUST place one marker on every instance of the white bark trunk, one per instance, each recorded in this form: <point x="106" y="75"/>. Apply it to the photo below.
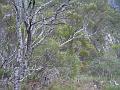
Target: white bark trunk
<point x="17" y="67"/>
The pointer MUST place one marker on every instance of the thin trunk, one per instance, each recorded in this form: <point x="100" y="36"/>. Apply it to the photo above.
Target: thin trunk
<point x="18" y="64"/>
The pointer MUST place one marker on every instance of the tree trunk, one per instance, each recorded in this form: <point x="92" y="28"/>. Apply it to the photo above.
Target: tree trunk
<point x="19" y="60"/>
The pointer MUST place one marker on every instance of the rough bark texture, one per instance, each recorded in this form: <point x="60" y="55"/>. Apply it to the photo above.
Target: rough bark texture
<point x="18" y="64"/>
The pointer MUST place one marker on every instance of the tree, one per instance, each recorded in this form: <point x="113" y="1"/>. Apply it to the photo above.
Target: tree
<point x="59" y="34"/>
<point x="32" y="26"/>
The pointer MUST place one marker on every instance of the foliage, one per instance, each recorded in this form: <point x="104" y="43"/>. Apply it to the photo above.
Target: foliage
<point x="65" y="31"/>
<point x="111" y="87"/>
<point x="80" y="37"/>
<point x="59" y="86"/>
<point x="1" y="72"/>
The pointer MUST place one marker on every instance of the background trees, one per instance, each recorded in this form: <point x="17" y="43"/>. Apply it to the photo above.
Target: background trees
<point x="44" y="41"/>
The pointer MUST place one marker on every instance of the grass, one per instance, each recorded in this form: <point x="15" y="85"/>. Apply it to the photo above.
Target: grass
<point x="111" y="87"/>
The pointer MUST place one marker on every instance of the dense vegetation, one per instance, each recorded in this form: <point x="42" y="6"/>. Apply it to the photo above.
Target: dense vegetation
<point x="59" y="44"/>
